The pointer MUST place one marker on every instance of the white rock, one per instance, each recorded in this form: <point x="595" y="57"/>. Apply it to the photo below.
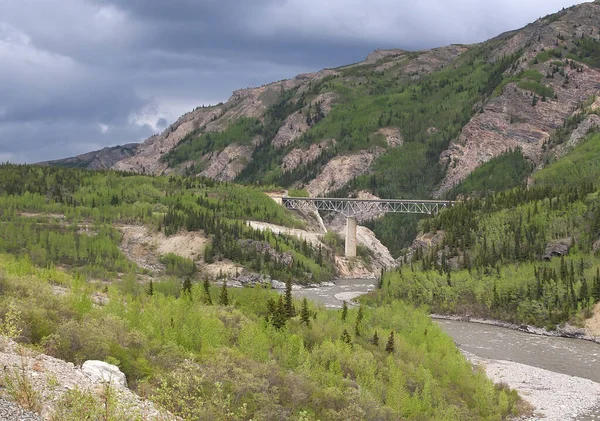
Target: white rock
<point x="277" y="284"/>
<point x="100" y="372"/>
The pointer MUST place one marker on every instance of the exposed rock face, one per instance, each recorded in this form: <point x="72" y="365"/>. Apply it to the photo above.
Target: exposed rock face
<point x="432" y="60"/>
<point x="226" y="165"/>
<point x="251" y="102"/>
<point x="510" y="121"/>
<point x="557" y="248"/>
<point x="392" y="135"/>
<point x="147" y="159"/>
<point x="98" y="160"/>
<point x="101" y="372"/>
<point x="296" y="124"/>
<point x="299" y="156"/>
<point x="293" y="127"/>
<point x="340" y="170"/>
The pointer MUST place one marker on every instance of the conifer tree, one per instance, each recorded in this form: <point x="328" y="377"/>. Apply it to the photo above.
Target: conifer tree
<point x="206" y="286"/>
<point x="359" y="318"/>
<point x="344" y="311"/>
<point x="596" y="288"/>
<point x="389" y="347"/>
<point x="346" y="337"/>
<point x="186" y="289"/>
<point x="289" y="303"/>
<point x="375" y="339"/>
<point x="224" y="297"/>
<point x="150" y="290"/>
<point x="304" y="313"/>
<point x="279" y="316"/>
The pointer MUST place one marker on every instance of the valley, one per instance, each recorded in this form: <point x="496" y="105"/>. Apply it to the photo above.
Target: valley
<point x="174" y="262"/>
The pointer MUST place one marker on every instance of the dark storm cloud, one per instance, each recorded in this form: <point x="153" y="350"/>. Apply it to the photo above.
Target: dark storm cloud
<point x="77" y="75"/>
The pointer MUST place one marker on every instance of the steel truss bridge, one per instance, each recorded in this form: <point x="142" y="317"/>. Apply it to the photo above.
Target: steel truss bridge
<point x="354" y="207"/>
<point x="351" y="208"/>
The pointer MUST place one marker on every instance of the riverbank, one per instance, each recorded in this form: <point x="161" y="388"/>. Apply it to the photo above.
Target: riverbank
<point x="554" y="396"/>
<point x="566" y="331"/>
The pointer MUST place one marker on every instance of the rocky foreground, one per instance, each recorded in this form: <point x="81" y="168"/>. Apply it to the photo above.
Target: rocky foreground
<point x="554" y="396"/>
<point x="35" y="386"/>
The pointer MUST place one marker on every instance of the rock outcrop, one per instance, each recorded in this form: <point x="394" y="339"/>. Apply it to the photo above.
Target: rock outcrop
<point x="227" y="164"/>
<point x="340" y="170"/>
<point x="50" y="379"/>
<point x="514" y="119"/>
<point x="101" y="372"/>
<point x="300" y="156"/>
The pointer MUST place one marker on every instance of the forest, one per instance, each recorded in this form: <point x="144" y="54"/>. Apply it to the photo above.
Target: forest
<point x="205" y="351"/>
<point x="527" y="255"/>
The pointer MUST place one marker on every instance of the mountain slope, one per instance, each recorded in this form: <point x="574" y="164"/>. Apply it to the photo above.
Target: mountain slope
<point x="399" y="124"/>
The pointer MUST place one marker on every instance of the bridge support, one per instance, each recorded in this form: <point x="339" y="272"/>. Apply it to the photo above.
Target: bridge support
<point x="351" y="236"/>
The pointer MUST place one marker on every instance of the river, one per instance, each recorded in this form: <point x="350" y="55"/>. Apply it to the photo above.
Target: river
<point x="559" y="355"/>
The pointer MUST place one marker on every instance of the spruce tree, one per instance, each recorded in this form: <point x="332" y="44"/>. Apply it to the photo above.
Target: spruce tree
<point x="304" y="313"/>
<point x="596" y="288"/>
<point x="359" y="317"/>
<point x="375" y="339"/>
<point x="150" y="290"/>
<point x="223" y="297"/>
<point x="279" y="315"/>
<point x="289" y="303"/>
<point x="344" y="311"/>
<point x="390" y="343"/>
<point x="186" y="289"/>
<point x="206" y="286"/>
<point x="346" y="337"/>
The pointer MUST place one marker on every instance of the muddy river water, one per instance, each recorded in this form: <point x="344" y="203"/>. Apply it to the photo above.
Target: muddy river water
<point x="560" y="355"/>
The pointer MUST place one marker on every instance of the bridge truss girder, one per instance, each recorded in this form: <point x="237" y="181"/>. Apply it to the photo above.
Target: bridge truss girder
<point x="355" y="207"/>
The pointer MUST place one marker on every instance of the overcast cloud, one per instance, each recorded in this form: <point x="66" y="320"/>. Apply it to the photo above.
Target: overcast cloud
<point x="78" y="75"/>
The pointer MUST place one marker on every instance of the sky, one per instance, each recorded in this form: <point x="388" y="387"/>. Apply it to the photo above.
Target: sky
<point x="79" y="75"/>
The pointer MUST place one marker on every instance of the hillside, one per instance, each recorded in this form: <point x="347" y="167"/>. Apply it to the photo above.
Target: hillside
<point x="528" y="255"/>
<point x="198" y="350"/>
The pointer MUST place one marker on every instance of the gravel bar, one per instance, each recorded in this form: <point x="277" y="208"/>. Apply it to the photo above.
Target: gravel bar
<point x="555" y="396"/>
<point x="10" y="411"/>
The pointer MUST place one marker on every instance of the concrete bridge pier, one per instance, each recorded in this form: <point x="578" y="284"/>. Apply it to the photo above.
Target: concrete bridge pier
<point x="350" y="236"/>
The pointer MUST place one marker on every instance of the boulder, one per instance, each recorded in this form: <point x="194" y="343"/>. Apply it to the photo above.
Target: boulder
<point x="557" y="248"/>
<point x="101" y="372"/>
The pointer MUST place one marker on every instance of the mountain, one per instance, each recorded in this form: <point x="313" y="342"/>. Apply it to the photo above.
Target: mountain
<point x="400" y="124"/>
<point x="98" y="160"/>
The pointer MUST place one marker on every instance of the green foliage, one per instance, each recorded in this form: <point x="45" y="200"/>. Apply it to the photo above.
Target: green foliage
<point x="298" y="193"/>
<point x="304" y="312"/>
<point x="544" y="56"/>
<point x="503" y="172"/>
<point x="193" y="146"/>
<point x="586" y="50"/>
<point x="536" y="87"/>
<point x="215" y="362"/>
<point x="579" y="166"/>
<point x="495" y="258"/>
<point x="66" y="217"/>
<point x="224" y="296"/>
<point x="390" y="346"/>
<point x="178" y="266"/>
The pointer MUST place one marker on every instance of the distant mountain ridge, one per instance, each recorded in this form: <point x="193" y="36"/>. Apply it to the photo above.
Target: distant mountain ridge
<point x="105" y="158"/>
